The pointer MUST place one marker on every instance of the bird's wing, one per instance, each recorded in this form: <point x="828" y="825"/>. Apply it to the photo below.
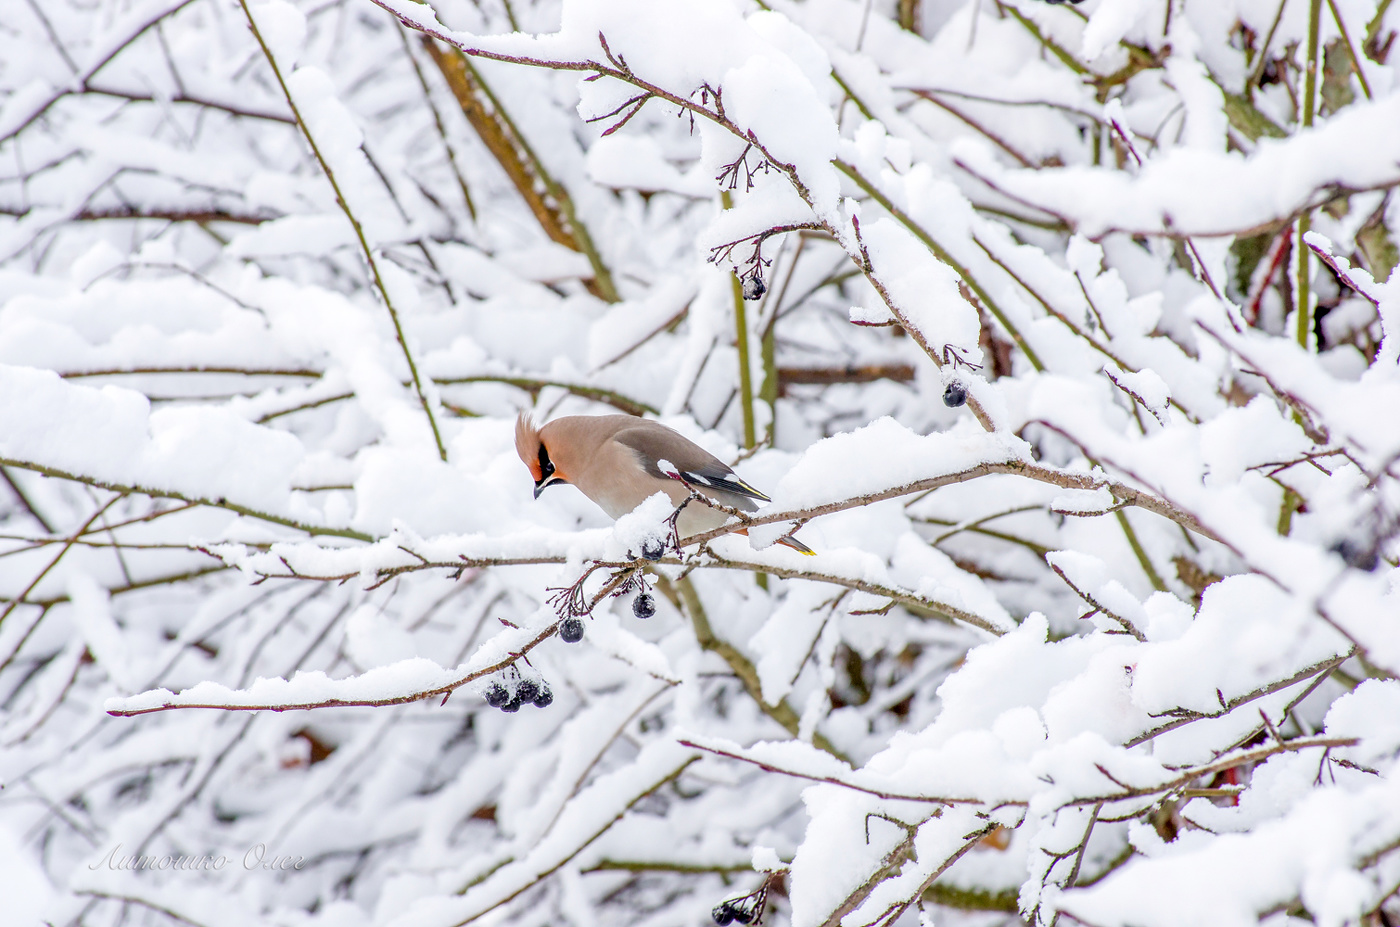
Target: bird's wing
<point x="729" y="483"/>
<point x="654" y="442"/>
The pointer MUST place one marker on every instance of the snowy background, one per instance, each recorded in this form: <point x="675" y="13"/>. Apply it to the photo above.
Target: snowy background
<point x="1114" y="642"/>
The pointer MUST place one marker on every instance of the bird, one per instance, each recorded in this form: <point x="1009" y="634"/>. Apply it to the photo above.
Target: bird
<point x="618" y="461"/>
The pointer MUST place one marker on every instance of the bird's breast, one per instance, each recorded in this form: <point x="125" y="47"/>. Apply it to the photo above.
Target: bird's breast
<point x="623" y="495"/>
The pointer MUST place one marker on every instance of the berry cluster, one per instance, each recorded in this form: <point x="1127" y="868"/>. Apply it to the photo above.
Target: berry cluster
<point x="510" y="699"/>
<point x="572" y="605"/>
<point x="748" y="909"/>
<point x="729" y="912"/>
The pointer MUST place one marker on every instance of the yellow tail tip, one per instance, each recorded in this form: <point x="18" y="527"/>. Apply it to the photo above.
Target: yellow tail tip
<point x="795" y="544"/>
<point x="761" y="497"/>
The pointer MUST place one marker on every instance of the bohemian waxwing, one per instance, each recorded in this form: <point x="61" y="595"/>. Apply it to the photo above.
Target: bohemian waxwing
<point x="619" y="461"/>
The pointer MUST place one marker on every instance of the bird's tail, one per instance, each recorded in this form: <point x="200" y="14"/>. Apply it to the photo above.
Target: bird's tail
<point x="787" y="541"/>
<point x="797" y="545"/>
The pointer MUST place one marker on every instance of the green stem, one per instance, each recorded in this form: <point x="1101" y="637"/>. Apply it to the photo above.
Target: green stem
<point x="68" y="544"/>
<point x="530" y="384"/>
<point x="1138" y="551"/>
<point x="1262" y="61"/>
<point x="598" y="394"/>
<point x="1291" y="501"/>
<point x="1351" y="49"/>
<point x="942" y="254"/>
<point x="623" y="865"/>
<point x="683" y="591"/>
<point x="1045" y="304"/>
<point x="25" y="501"/>
<point x="769" y="391"/>
<point x="1050" y="44"/>
<point x="741" y="341"/>
<point x="1050" y="225"/>
<point x="602" y="277"/>
<point x="979" y="527"/>
<point x="133" y="586"/>
<point x="1304" y="284"/>
<point x="1373" y="28"/>
<point x="437" y="121"/>
<point x="972" y="899"/>
<point x="510" y="16"/>
<point x="851" y="95"/>
<point x="359" y="233"/>
<point x="220" y="503"/>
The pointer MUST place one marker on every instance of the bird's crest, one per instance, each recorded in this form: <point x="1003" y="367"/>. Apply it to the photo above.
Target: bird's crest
<point x="528" y="443"/>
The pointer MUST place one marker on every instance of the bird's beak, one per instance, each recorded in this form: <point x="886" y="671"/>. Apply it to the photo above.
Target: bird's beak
<point x="551" y="480"/>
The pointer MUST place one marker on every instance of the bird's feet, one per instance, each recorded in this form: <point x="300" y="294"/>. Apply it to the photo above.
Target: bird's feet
<point x="673" y="521"/>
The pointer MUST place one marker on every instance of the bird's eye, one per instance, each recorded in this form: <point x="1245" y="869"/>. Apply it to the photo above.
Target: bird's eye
<point x="546" y="465"/>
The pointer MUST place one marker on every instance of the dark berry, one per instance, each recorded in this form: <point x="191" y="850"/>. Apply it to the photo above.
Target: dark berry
<point x="571" y="630"/>
<point x="723" y="914"/>
<point x="526" y="691"/>
<point x="653" y="549"/>
<point x="497" y="695"/>
<point x="644" y="606"/>
<point x="954" y="396"/>
<point x="743" y="916"/>
<point x="1357" y="554"/>
<point x="513" y="705"/>
<point x="754" y="287"/>
<point x="544" y="698"/>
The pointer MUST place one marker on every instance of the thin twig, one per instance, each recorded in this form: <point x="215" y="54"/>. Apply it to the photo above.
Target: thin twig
<point x="365" y="248"/>
<point x="416" y="696"/>
<point x="15" y="602"/>
<point x="156" y="493"/>
<point x="79" y="82"/>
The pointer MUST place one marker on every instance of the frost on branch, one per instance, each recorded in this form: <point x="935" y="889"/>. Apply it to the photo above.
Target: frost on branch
<point x="1063" y="334"/>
